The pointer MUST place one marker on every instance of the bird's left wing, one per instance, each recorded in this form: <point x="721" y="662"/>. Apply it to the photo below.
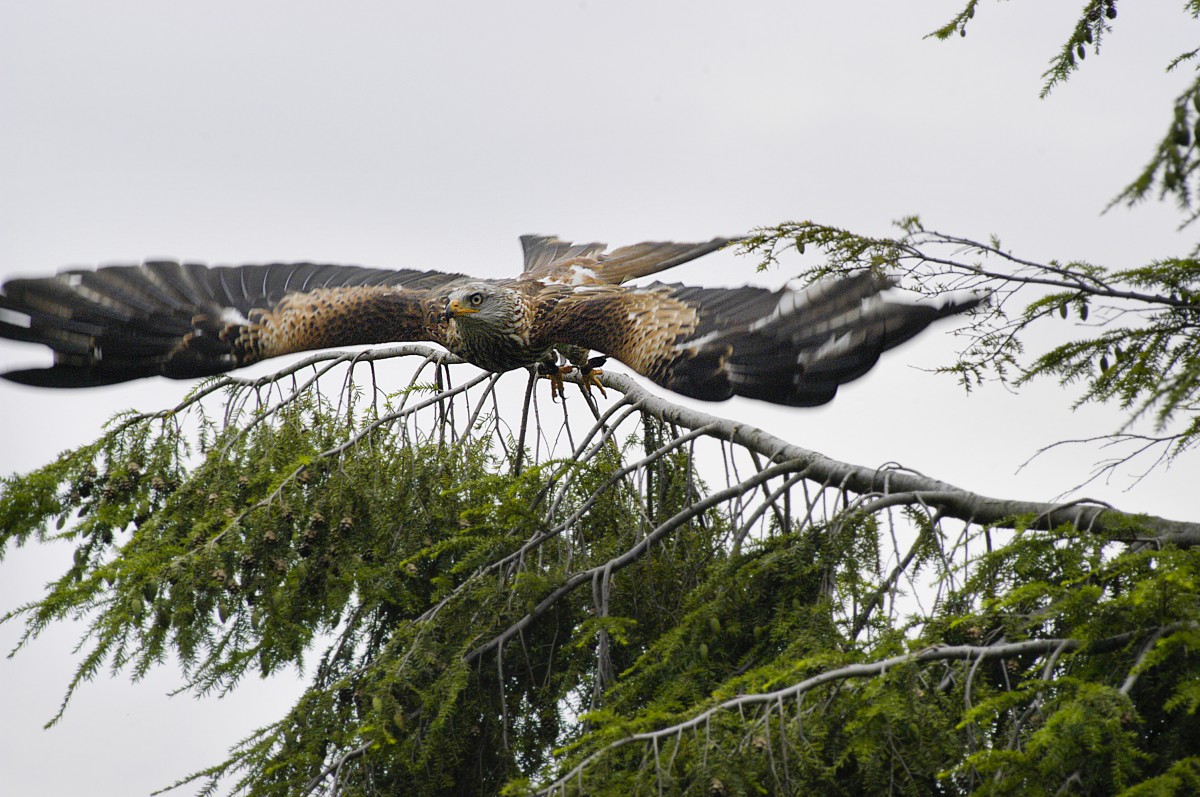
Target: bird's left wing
<point x="786" y="347"/>
<point x="185" y="320"/>
<point x="543" y="253"/>
<point x="551" y="260"/>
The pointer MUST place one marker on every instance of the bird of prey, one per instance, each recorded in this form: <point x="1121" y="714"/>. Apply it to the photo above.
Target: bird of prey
<point x="183" y="320"/>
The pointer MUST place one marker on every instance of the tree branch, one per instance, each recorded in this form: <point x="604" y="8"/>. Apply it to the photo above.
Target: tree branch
<point x="970" y="653"/>
<point x="943" y="497"/>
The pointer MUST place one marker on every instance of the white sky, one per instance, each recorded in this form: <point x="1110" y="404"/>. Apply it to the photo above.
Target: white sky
<point x="433" y="134"/>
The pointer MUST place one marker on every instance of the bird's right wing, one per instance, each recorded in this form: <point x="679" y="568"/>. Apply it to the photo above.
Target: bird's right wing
<point x="184" y="320"/>
<point x="786" y="347"/>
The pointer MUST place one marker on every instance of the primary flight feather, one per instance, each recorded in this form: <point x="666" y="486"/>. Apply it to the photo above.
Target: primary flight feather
<point x="184" y="320"/>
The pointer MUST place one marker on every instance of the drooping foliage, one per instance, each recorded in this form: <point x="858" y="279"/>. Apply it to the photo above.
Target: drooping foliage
<point x="645" y="599"/>
<point x="1130" y="337"/>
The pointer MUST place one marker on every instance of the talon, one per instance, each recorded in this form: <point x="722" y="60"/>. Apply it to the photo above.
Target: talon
<point x="590" y="377"/>
<point x="555" y="374"/>
<point x="557" y="388"/>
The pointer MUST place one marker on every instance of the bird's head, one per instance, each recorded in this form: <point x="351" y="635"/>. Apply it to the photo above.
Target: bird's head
<point x="478" y="304"/>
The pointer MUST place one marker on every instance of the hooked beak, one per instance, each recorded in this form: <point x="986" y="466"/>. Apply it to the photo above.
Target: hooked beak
<point x="454" y="309"/>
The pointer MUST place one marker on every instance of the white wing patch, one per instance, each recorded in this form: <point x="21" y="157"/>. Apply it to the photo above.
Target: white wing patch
<point x="791" y="301"/>
<point x="836" y="345"/>
<point x="579" y="275"/>
<point x="839" y="344"/>
<point x="231" y="315"/>
<point x="17" y="319"/>
<point x="696" y="343"/>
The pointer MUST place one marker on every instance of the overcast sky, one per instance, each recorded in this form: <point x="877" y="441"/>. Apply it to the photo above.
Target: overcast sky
<point x="431" y="135"/>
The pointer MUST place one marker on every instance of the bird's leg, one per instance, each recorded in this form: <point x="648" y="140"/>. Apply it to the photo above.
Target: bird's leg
<point x="555" y="367"/>
<point x="589" y="374"/>
<point x="551" y="369"/>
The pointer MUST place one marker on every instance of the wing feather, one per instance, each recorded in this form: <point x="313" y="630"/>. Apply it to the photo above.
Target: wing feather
<point x="644" y="259"/>
<point x="552" y="260"/>
<point x="786" y="347"/>
<point x="544" y="252"/>
<point x="118" y="323"/>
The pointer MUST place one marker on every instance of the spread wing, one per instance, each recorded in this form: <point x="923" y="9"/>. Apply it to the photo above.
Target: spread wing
<point x="186" y="320"/>
<point x="786" y="347"/>
<point x="550" y="260"/>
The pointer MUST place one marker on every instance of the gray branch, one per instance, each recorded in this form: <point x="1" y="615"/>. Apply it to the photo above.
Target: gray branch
<point x="948" y="500"/>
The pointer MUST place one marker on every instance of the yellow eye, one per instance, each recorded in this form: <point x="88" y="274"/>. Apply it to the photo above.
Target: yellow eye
<point x="476" y="299"/>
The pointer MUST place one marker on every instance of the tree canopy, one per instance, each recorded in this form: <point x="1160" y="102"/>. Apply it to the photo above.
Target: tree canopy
<point x="662" y="598"/>
<point x="492" y="595"/>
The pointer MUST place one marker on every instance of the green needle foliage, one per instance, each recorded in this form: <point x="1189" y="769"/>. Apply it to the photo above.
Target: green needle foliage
<point x="630" y="606"/>
<point x="1130" y="337"/>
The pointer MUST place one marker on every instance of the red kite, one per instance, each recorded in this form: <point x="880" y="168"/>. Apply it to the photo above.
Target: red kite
<point x="186" y="320"/>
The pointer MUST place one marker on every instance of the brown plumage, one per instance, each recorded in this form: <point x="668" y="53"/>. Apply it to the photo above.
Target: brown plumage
<point x="791" y="347"/>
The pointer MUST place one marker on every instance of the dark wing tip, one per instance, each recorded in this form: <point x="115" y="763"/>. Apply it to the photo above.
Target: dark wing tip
<point x="797" y="347"/>
<point x="66" y="377"/>
<point x="964" y="303"/>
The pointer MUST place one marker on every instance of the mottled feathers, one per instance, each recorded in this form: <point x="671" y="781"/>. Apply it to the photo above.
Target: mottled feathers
<point x="118" y="323"/>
